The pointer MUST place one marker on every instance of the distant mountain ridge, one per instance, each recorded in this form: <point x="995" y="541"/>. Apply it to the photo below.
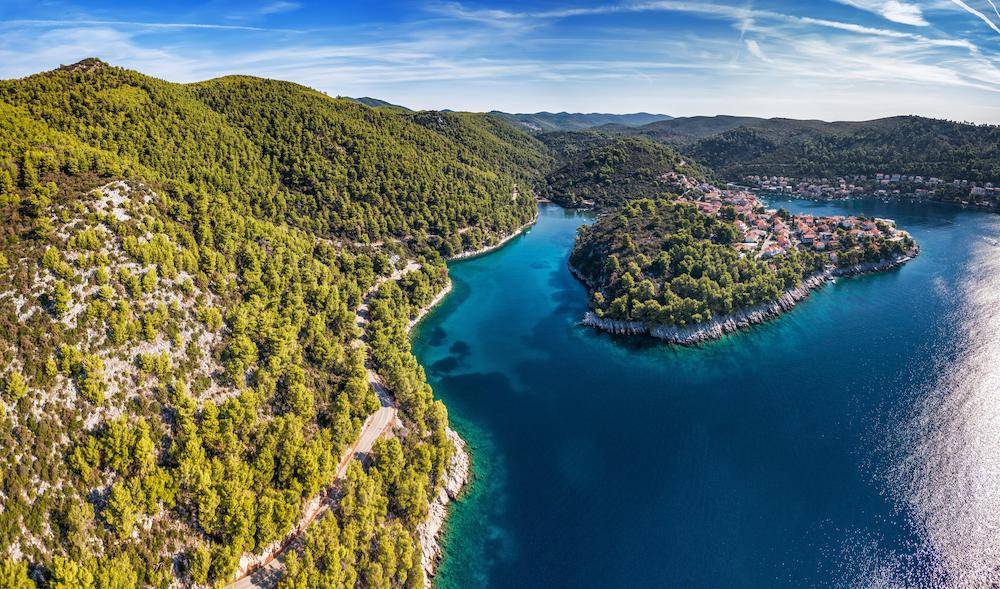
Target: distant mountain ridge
<point x="568" y="121"/>
<point x="736" y="146"/>
<point x="378" y="103"/>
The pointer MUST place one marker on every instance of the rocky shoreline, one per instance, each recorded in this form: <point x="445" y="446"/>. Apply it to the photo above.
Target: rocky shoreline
<point x="742" y="319"/>
<point x="456" y="476"/>
<point x="459" y="471"/>
<point x="427" y="308"/>
<point x="497" y="245"/>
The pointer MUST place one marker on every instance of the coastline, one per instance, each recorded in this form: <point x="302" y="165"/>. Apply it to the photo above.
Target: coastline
<point x="489" y="248"/>
<point x="742" y="319"/>
<point x="427" y="308"/>
<point x="458" y="474"/>
<point x="456" y="477"/>
<point x="459" y="471"/>
<point x="914" y="199"/>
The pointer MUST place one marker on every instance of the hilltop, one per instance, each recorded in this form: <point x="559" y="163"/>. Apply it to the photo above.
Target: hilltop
<point x="377" y="103"/>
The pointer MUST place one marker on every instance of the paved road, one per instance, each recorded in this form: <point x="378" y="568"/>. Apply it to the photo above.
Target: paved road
<point x="767" y="242"/>
<point x="266" y="576"/>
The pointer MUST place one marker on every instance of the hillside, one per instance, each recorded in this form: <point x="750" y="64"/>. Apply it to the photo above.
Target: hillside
<point x="739" y="146"/>
<point x="181" y="267"/>
<point x="490" y="139"/>
<point x="565" y="121"/>
<point x="605" y="173"/>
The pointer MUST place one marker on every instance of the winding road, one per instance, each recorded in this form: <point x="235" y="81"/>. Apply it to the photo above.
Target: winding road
<point x="266" y="574"/>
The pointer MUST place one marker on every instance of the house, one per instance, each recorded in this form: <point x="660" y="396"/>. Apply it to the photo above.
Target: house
<point x="772" y="251"/>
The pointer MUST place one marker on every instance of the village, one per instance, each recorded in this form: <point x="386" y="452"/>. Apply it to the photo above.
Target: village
<point x="964" y="192"/>
<point x="769" y="232"/>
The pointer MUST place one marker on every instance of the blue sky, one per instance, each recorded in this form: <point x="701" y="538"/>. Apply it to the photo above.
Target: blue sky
<point x="828" y="59"/>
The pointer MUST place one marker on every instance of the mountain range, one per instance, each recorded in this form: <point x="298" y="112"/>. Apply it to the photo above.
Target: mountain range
<point x="737" y="146"/>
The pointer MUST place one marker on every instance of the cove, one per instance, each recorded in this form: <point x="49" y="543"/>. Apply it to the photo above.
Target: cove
<point x="855" y="441"/>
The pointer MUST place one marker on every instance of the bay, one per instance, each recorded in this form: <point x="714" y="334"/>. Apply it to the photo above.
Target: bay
<point x="855" y="441"/>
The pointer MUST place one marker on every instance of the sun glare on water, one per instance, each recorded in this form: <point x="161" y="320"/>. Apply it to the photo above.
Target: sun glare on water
<point x="948" y="479"/>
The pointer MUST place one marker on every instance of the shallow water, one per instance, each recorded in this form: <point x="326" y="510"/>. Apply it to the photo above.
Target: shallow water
<point x="853" y="442"/>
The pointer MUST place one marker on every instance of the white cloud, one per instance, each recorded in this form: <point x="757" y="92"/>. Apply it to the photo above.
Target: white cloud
<point x="894" y="10"/>
<point x="27" y="52"/>
<point x="908" y="14"/>
<point x="496" y="58"/>
<point x="754" y="48"/>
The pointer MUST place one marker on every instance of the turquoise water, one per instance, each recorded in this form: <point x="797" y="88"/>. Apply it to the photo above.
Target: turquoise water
<point x="853" y="442"/>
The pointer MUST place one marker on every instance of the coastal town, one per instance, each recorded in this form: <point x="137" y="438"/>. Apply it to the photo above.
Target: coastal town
<point x="766" y="233"/>
<point x="958" y="191"/>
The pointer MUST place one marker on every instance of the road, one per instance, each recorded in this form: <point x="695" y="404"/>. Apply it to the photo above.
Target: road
<point x="267" y="574"/>
<point x="767" y="242"/>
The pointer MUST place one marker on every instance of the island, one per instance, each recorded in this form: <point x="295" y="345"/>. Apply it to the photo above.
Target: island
<point x="694" y="266"/>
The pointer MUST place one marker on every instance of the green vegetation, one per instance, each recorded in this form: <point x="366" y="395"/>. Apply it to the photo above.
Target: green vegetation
<point x="663" y="262"/>
<point x="179" y="271"/>
<point x="737" y="146"/>
<point x="606" y="173"/>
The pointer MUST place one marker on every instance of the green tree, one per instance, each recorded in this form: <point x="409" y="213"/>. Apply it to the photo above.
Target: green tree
<point x="14" y="575"/>
<point x="68" y="574"/>
<point x="121" y="511"/>
<point x="14" y="387"/>
<point x="199" y="561"/>
<point x="61" y="299"/>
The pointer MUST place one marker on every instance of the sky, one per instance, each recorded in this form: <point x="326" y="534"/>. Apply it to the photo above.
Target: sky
<point x="825" y="59"/>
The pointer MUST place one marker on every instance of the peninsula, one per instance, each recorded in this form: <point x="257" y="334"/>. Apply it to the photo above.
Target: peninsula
<point x="694" y="267"/>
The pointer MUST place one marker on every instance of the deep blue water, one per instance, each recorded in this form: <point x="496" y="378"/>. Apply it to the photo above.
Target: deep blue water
<point x="853" y="442"/>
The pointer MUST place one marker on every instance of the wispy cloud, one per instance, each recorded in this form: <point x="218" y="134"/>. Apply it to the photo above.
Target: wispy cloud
<point x="995" y="9"/>
<point x="754" y="48"/>
<point x="715" y="56"/>
<point x="894" y="10"/>
<point x="978" y="14"/>
<point x="279" y="6"/>
<point x="710" y="10"/>
<point x="51" y="23"/>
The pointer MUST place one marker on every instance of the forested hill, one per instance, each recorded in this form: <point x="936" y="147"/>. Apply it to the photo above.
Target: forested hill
<point x="737" y="146"/>
<point x="181" y="268"/>
<point x="602" y="173"/>
<point x="290" y="153"/>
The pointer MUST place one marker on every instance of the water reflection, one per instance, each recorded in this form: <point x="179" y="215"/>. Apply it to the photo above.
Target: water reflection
<point x="949" y="477"/>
